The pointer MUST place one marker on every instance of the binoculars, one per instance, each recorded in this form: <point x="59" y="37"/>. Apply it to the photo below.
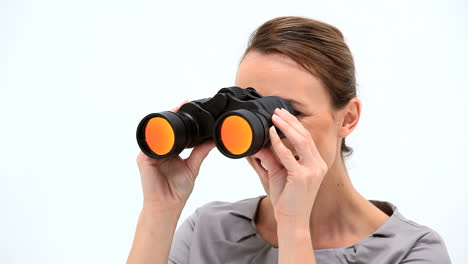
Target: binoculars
<point x="236" y="119"/>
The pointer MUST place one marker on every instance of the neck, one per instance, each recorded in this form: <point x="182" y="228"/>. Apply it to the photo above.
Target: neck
<point x="340" y="215"/>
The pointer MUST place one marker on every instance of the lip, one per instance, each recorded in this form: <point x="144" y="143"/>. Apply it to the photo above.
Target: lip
<point x="258" y="165"/>
<point x="259" y="168"/>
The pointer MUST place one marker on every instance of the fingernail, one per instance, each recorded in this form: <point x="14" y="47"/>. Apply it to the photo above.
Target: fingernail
<point x="275" y="116"/>
<point x="273" y="130"/>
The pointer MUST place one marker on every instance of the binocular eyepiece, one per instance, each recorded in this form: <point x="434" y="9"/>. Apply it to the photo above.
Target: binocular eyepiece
<point x="236" y="119"/>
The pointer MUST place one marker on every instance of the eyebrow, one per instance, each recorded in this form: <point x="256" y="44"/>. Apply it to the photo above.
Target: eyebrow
<point x="293" y="101"/>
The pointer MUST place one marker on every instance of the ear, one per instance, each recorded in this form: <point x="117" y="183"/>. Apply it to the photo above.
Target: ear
<point x="349" y="117"/>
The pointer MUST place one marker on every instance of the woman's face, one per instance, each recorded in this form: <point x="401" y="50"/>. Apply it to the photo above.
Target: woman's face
<point x="278" y="75"/>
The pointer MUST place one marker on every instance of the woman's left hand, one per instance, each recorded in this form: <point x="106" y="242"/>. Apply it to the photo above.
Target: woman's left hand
<point x="293" y="183"/>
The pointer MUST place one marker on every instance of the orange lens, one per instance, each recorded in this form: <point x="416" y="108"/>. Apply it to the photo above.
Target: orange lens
<point x="236" y="134"/>
<point x="159" y="135"/>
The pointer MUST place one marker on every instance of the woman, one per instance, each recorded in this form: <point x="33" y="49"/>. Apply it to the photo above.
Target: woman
<point x="311" y="213"/>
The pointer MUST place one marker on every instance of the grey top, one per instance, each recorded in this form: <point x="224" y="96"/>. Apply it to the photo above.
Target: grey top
<point x="224" y="232"/>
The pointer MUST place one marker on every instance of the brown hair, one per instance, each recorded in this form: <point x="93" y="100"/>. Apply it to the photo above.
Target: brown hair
<point x="316" y="46"/>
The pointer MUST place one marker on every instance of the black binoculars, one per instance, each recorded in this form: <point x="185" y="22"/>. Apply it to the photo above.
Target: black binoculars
<point x="236" y="119"/>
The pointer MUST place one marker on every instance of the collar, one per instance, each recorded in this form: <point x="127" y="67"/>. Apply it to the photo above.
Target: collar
<point x="244" y="210"/>
<point x="247" y="208"/>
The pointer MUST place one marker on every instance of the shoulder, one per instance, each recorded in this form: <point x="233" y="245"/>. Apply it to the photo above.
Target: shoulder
<point x="227" y="220"/>
<point x="414" y="242"/>
<point x="244" y="208"/>
<point x="224" y="220"/>
<point x="398" y="225"/>
<point x="213" y="209"/>
<point x="428" y="246"/>
<point x="421" y="233"/>
<point x="207" y="234"/>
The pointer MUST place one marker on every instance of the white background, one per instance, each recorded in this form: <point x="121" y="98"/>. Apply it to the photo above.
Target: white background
<point x="76" y="77"/>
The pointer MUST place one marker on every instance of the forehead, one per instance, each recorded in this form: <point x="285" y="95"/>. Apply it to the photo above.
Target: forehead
<point x="278" y="75"/>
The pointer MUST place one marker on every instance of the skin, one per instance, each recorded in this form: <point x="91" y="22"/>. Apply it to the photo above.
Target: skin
<point x="310" y="203"/>
<point x="336" y="215"/>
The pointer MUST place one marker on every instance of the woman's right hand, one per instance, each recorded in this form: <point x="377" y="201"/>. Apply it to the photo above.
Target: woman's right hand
<point x="168" y="183"/>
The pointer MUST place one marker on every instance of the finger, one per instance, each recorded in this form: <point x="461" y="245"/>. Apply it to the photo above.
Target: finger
<point x="175" y="109"/>
<point x="282" y="152"/>
<point x="301" y="144"/>
<point x="146" y="166"/>
<point x="295" y="123"/>
<point x="143" y="159"/>
<point x="197" y="156"/>
<point x="291" y="120"/>
<point x="277" y="173"/>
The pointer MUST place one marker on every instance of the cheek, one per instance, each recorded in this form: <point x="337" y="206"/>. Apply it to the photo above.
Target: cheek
<point x="326" y="146"/>
<point x="325" y="140"/>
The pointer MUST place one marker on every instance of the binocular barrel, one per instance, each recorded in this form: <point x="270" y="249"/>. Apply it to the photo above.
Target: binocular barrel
<point x="236" y="119"/>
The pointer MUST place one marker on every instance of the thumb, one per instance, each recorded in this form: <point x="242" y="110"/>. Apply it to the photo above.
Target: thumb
<point x="197" y="156"/>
